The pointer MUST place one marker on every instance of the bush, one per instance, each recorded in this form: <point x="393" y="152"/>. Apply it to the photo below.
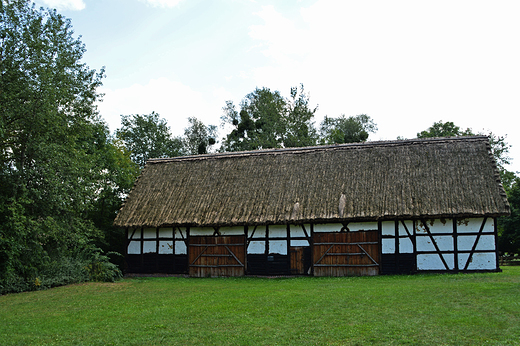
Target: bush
<point x="89" y="264"/>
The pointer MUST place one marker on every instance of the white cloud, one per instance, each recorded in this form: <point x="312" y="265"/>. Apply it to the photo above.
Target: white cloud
<point x="162" y="3"/>
<point x="406" y="64"/>
<point x="173" y="100"/>
<point x="75" y="5"/>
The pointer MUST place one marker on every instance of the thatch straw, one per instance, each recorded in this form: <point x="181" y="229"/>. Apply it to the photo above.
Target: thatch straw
<point x="442" y="177"/>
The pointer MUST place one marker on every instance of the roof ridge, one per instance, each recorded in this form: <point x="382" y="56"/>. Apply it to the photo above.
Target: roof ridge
<point x="275" y="151"/>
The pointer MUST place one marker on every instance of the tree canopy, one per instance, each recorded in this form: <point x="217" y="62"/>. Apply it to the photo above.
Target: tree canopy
<point x="55" y="153"/>
<point x="340" y="130"/>
<point x="148" y="136"/>
<point x="268" y="120"/>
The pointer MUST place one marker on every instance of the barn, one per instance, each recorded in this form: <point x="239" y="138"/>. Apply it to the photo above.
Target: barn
<point x="372" y="208"/>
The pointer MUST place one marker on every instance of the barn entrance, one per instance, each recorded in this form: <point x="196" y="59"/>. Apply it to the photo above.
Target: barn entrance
<point x="346" y="253"/>
<point x="217" y="255"/>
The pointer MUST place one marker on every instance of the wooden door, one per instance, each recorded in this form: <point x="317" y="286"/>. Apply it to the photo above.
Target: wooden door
<point x="217" y="255"/>
<point x="346" y="253"/>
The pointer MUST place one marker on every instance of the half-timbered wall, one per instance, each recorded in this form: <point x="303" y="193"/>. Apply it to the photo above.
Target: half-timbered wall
<point x="439" y="245"/>
<point x="402" y="246"/>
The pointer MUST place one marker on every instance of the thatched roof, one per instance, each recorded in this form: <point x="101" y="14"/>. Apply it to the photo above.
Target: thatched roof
<point x="442" y="177"/>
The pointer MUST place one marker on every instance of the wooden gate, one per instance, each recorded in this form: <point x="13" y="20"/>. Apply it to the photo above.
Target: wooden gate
<point x="346" y="253"/>
<point x="217" y="255"/>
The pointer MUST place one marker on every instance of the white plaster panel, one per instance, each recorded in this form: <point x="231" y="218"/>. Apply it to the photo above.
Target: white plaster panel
<point x="166" y="247"/>
<point x="299" y="243"/>
<point x="237" y="230"/>
<point x="202" y="231"/>
<point x="388" y="227"/>
<point x="405" y="245"/>
<point x="388" y="245"/>
<point x="473" y="225"/>
<point x="362" y="226"/>
<point x="444" y="243"/>
<point x="436" y="226"/>
<point x="149" y="233"/>
<point x="181" y="233"/>
<point x="137" y="234"/>
<point x="486" y="242"/>
<point x="278" y="231"/>
<point x="278" y="246"/>
<point x="297" y="230"/>
<point x="482" y="261"/>
<point x="180" y="248"/>
<point x="134" y="248"/>
<point x="328" y="227"/>
<point x="259" y="231"/>
<point x="465" y="243"/>
<point x="424" y="243"/>
<point x="165" y="232"/>
<point x="149" y="246"/>
<point x="434" y="261"/>
<point x="409" y="226"/>
<point x="256" y="247"/>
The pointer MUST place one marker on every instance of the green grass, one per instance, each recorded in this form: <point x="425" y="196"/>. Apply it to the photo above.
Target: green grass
<point x="444" y="309"/>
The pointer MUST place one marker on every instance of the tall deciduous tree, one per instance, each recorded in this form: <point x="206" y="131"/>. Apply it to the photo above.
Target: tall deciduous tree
<point x="353" y="129"/>
<point x="148" y="136"/>
<point x="51" y="140"/>
<point x="509" y="226"/>
<point x="198" y="138"/>
<point x="268" y="120"/>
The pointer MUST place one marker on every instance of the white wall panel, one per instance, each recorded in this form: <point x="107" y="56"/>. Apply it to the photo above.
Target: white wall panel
<point x="134" y="248"/>
<point x="434" y="262"/>
<point x="479" y="261"/>
<point x="149" y="246"/>
<point x="256" y="247"/>
<point x="388" y="227"/>
<point x="362" y="226"/>
<point x="166" y="247"/>
<point x="405" y="245"/>
<point x="465" y="242"/>
<point x="444" y="243"/>
<point x="409" y="226"/>
<point x="388" y="245"/>
<point x="328" y="227"/>
<point x="238" y="230"/>
<point x="278" y="246"/>
<point x="259" y="232"/>
<point x="436" y="226"/>
<point x="180" y="233"/>
<point x="165" y="232"/>
<point x="486" y="242"/>
<point x="180" y="248"/>
<point x="136" y="235"/>
<point x="149" y="233"/>
<point x="202" y="231"/>
<point x="278" y="231"/>
<point x="297" y="230"/>
<point x="473" y="225"/>
<point x="299" y="243"/>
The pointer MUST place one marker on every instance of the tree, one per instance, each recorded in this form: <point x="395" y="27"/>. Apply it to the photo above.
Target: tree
<point x="447" y="129"/>
<point x="353" y="129"/>
<point x="268" y="120"/>
<point x="148" y="136"/>
<point x="51" y="139"/>
<point x="499" y="146"/>
<point x="198" y="137"/>
<point x="509" y="226"/>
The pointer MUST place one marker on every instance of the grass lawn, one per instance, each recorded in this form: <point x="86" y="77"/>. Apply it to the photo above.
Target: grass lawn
<point x="440" y="309"/>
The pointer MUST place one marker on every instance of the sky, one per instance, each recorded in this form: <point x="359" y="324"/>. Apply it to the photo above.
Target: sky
<point x="406" y="64"/>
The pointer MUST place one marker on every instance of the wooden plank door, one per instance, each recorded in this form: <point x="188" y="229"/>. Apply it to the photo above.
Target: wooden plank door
<point x="217" y="255"/>
<point x="346" y="253"/>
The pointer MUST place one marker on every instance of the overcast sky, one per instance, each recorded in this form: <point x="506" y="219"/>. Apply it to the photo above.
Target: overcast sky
<point x="406" y="64"/>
